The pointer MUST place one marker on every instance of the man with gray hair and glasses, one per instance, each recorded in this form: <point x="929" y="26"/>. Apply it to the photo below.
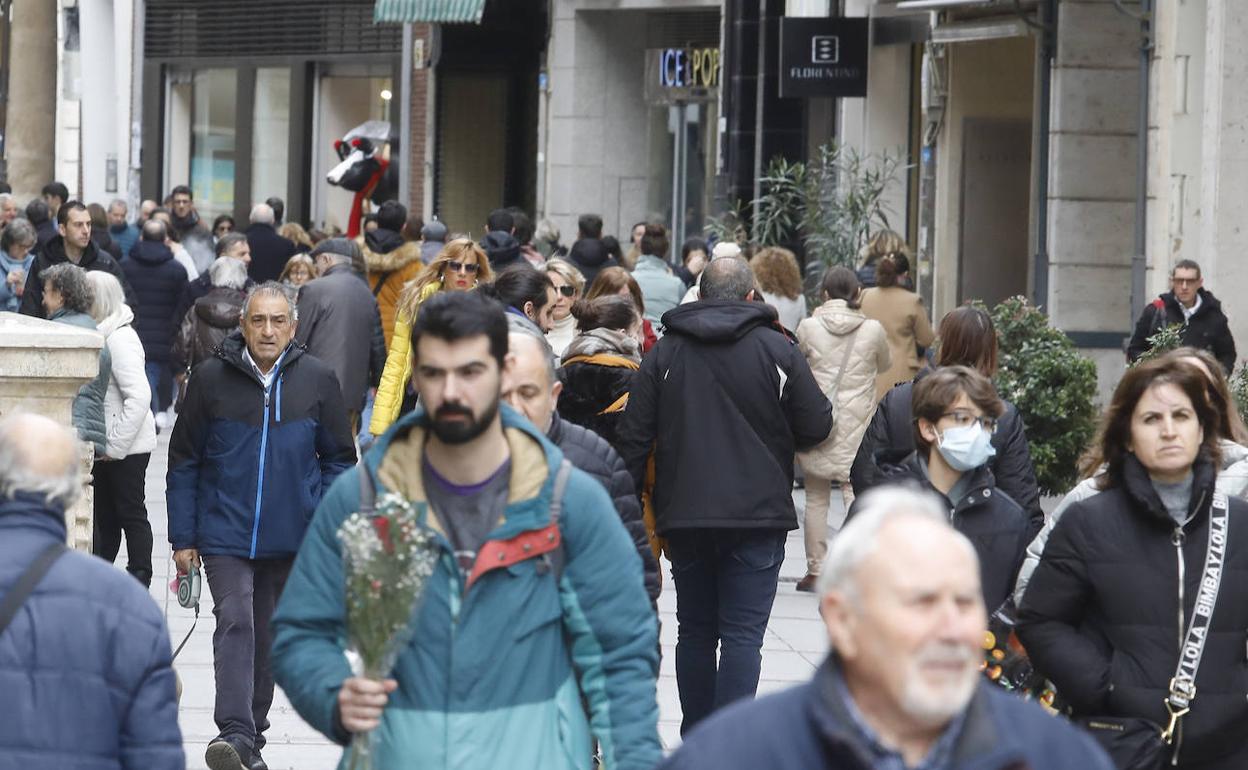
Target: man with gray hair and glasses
<point x="901" y="687"/>
<point x="84" y="652"/>
<point x="261" y="436"/>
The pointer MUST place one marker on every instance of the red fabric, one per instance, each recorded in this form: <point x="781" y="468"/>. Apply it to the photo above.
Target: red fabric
<point x="497" y="554"/>
<point x="651" y="338"/>
<point x="354" y="224"/>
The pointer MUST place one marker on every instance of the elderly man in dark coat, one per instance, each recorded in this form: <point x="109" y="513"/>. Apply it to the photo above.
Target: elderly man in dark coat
<point x="336" y="312"/>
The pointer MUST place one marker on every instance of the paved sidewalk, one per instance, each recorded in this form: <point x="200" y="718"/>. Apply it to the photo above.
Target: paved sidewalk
<point x="795" y="644"/>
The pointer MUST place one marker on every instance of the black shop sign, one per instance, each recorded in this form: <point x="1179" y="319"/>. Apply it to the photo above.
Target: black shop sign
<point x="823" y="57"/>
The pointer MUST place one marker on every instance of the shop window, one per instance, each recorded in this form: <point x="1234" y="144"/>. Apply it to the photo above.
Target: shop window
<point x="270" y="144"/>
<point x="214" y="98"/>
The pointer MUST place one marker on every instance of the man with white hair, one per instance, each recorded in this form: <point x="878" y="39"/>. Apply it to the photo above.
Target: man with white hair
<point x="84" y="652"/>
<point x="901" y="687"/>
<point x="269" y="251"/>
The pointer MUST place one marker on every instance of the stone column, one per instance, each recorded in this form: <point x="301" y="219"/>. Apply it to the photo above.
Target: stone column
<point x="42" y="366"/>
<point x="30" y="133"/>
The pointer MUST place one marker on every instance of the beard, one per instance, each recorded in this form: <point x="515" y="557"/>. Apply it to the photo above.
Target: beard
<point x="934" y="705"/>
<point x="462" y="431"/>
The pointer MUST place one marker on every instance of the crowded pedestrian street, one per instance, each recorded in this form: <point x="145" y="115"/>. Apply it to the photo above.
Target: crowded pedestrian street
<point x="795" y="644"/>
<point x="623" y="385"/>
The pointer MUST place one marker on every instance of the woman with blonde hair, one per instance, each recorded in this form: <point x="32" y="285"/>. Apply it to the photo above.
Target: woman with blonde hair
<point x="569" y="284"/>
<point x="294" y="232"/>
<point x="780" y="279"/>
<point x="299" y="270"/>
<point x="460" y="266"/>
<point x="899" y="310"/>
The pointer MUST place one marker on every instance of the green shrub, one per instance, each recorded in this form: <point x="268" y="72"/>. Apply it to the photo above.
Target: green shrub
<point x="1166" y="338"/>
<point x="1041" y="372"/>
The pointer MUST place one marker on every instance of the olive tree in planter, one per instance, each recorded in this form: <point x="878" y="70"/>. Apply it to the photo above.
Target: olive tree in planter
<point x="827" y="206"/>
<point x="1042" y="373"/>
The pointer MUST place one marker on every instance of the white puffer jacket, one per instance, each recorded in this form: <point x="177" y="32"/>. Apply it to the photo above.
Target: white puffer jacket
<point x="823" y="338"/>
<point x="128" y="404"/>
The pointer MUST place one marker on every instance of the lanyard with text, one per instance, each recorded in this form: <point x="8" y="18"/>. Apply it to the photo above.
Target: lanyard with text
<point x="1183" y="685"/>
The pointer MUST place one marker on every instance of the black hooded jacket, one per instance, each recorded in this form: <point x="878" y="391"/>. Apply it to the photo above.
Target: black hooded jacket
<point x="1101" y="614"/>
<point x="159" y="282"/>
<point x="591" y="257"/>
<point x="988" y="517"/>
<point x="889" y="440"/>
<point x="591" y="453"/>
<point x="502" y="248"/>
<point x="1207" y="329"/>
<point x="723" y="400"/>
<point x="54" y="254"/>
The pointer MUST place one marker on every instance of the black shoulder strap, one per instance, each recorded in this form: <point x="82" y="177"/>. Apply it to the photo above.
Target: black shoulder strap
<point x="381" y="281"/>
<point x="556" y="508"/>
<point x="17" y="596"/>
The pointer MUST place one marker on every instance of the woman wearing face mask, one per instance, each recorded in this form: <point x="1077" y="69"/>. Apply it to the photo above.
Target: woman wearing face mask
<point x="967" y="338"/>
<point x="1154" y="564"/>
<point x="956" y="410"/>
<point x="1232" y="445"/>
<point x="599" y="365"/>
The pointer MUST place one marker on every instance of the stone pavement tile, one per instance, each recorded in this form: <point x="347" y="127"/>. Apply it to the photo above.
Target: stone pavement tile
<point x="791" y="604"/>
<point x="801" y="635"/>
<point x="781" y="666"/>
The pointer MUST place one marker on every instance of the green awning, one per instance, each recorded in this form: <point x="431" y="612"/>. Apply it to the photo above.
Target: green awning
<point x="431" y="11"/>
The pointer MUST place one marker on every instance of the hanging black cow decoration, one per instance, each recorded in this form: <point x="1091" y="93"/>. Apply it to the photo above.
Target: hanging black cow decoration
<point x="363" y="170"/>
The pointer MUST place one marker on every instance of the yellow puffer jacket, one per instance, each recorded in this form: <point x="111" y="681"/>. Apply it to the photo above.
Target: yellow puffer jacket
<point x="389" y="400"/>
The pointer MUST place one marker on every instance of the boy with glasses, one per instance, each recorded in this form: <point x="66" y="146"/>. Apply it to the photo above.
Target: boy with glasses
<point x="1192" y="306"/>
<point x="955" y="411"/>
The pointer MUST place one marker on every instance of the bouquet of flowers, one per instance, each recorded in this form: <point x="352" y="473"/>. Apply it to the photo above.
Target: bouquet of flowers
<point x="387" y="558"/>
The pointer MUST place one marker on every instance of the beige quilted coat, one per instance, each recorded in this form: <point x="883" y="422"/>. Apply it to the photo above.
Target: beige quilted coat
<point x="823" y="338"/>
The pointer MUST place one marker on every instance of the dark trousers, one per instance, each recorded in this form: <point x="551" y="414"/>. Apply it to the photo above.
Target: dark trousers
<point x="244" y="594"/>
<point x="120" y="506"/>
<point x="725" y="585"/>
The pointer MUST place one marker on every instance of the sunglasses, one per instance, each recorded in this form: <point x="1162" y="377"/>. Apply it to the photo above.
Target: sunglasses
<point x="462" y="267"/>
<point x="567" y="290"/>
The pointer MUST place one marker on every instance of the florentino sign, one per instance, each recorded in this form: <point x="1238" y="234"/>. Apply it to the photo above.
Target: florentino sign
<point x="823" y="57"/>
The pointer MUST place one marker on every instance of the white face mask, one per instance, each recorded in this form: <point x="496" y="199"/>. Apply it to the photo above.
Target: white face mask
<point x="965" y="448"/>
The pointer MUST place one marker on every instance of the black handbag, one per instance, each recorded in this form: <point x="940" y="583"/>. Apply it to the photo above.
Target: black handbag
<point x="1134" y="743"/>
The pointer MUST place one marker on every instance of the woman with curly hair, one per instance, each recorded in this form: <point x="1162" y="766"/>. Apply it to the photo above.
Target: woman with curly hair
<point x="617" y="280"/>
<point x="780" y="280"/>
<point x="460" y="266"/>
<point x="67" y="299"/>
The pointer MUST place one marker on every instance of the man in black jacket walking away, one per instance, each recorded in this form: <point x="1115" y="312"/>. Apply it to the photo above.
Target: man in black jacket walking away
<point x="158" y="282"/>
<point x="723" y="400"/>
<point x="1199" y="312"/>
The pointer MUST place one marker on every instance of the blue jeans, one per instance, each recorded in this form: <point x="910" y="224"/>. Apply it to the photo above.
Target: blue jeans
<point x="725" y="586"/>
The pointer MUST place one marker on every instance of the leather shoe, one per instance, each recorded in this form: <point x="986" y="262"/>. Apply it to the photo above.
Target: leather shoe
<point x="807" y="584"/>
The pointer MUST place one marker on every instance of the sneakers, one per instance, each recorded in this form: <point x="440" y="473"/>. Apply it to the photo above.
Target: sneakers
<point x="224" y="755"/>
<point x="807" y="584"/>
<point x="257" y="763"/>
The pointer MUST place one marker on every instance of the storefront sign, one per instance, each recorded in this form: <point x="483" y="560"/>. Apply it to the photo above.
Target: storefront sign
<point x="682" y="74"/>
<point x="823" y="57"/>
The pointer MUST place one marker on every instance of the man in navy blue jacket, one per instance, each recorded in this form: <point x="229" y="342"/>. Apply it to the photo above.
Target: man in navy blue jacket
<point x="262" y="435"/>
<point x="902" y="688"/>
<point x="84" y="665"/>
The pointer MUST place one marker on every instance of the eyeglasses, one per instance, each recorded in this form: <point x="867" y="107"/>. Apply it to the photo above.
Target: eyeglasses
<point x="463" y="267"/>
<point x="963" y="418"/>
<point x="567" y="290"/>
<point x="1185" y="281"/>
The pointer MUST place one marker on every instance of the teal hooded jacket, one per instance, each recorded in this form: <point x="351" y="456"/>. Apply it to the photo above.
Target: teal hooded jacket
<point x="511" y="668"/>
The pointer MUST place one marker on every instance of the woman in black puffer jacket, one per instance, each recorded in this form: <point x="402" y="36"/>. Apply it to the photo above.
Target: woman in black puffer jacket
<point x="1110" y="602"/>
<point x="599" y="364"/>
<point x="966" y="338"/>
